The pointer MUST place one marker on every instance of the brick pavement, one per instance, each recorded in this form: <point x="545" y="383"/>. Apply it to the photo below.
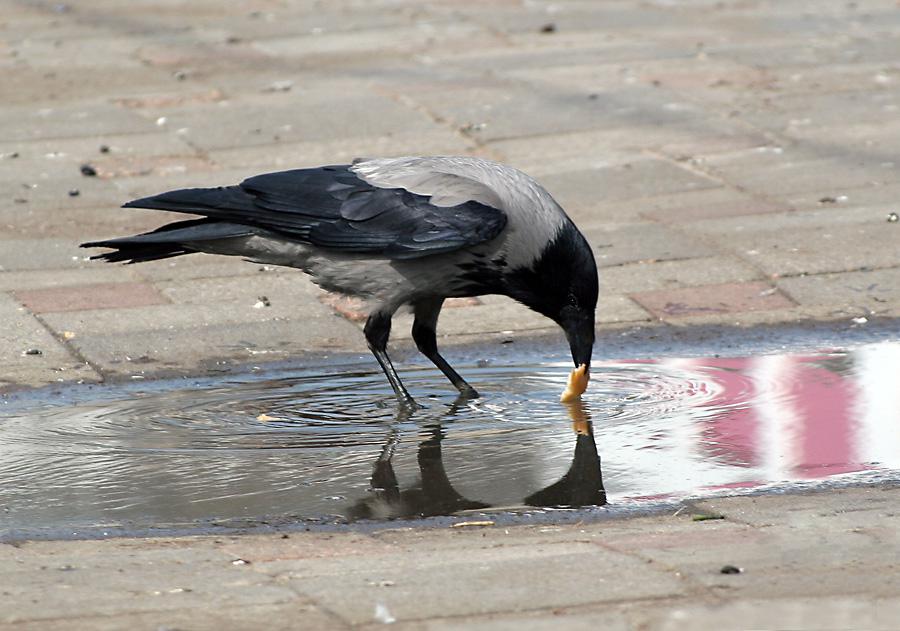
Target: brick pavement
<point x="731" y="162"/>
<point x="658" y="572"/>
<point x="703" y="147"/>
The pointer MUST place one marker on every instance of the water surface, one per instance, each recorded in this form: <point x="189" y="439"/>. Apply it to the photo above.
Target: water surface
<point x="296" y="446"/>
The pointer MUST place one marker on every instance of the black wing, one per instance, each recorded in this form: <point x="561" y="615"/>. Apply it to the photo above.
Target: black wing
<point x="331" y="207"/>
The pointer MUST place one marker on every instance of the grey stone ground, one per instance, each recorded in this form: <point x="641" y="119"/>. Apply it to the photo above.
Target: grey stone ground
<point x="731" y="162"/>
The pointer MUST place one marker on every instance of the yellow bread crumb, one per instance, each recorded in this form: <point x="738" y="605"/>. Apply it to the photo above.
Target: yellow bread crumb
<point x="578" y="382"/>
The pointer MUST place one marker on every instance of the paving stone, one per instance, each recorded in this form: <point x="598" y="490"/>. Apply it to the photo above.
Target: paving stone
<point x="34" y="85"/>
<point x="848" y="509"/>
<point x="19" y="123"/>
<point x="823" y="110"/>
<point x="43" y="279"/>
<point x="142" y="581"/>
<point x="36" y="254"/>
<point x="202" y="340"/>
<point x="826" y="614"/>
<point x="641" y="277"/>
<point x="95" y="296"/>
<point x="617" y="244"/>
<point x="265" y="119"/>
<point x="579" y="191"/>
<point x="21" y="332"/>
<point x="195" y="266"/>
<point x="580" y="619"/>
<point x="400" y="39"/>
<point x="826" y="240"/>
<point x="776" y="173"/>
<point x="872" y="198"/>
<point x="247" y="617"/>
<point x="667" y="304"/>
<point x="713" y="203"/>
<point x="264" y="549"/>
<point x="41" y="160"/>
<point x="283" y="287"/>
<point x="850" y="293"/>
<point x="433" y="584"/>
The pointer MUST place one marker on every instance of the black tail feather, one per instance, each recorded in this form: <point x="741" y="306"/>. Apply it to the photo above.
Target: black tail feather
<point x="170" y="240"/>
<point x="138" y="253"/>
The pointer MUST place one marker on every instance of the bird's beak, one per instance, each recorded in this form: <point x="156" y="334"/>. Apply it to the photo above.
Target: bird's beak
<point x="580" y="334"/>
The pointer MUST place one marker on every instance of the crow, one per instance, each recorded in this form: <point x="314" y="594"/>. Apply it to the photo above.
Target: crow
<point x="408" y="231"/>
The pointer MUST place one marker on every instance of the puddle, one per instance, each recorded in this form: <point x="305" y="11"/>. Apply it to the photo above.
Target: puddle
<point x="333" y="447"/>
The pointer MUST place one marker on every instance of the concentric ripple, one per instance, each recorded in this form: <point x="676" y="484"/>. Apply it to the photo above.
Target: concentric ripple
<point x="308" y="446"/>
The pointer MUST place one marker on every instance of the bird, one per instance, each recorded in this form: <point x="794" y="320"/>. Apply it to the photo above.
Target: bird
<point x="407" y="232"/>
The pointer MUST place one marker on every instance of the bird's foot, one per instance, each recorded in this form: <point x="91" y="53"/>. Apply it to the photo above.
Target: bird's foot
<point x="408" y="404"/>
<point x="467" y="392"/>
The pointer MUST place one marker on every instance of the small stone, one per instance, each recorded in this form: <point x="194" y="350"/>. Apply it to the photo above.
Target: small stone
<point x="240" y="562"/>
<point x="262" y="302"/>
<point x="893" y="217"/>
<point x="104" y="148"/>
<point x="731" y="569"/>
<point x="88" y="171"/>
<point x="74" y="192"/>
<point x="279" y="86"/>
<point x="549" y="27"/>
<point x="33" y="351"/>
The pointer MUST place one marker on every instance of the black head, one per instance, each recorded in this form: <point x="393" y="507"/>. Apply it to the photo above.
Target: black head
<point x="562" y="285"/>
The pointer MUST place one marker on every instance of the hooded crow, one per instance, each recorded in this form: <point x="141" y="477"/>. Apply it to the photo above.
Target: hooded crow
<point x="396" y="231"/>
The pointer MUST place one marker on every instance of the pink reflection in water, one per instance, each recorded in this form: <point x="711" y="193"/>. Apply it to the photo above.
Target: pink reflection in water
<point x="795" y="417"/>
<point x="707" y="424"/>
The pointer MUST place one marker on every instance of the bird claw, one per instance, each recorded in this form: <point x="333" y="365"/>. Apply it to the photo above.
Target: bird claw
<point x="409" y="404"/>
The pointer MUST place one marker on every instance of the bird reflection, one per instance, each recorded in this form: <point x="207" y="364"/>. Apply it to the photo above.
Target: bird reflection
<point x="582" y="485"/>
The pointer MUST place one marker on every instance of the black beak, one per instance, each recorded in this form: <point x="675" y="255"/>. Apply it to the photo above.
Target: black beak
<point x="580" y="334"/>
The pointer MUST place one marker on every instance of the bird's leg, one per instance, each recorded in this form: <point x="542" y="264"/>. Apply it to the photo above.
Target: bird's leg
<point x="377" y="331"/>
<point x="425" y="335"/>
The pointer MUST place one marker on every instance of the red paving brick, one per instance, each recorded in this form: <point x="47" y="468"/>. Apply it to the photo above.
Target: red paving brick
<point x="667" y="304"/>
<point x="83" y="297"/>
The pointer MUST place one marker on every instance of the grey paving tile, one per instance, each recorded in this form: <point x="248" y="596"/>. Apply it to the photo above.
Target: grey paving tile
<point x="265" y="119"/>
<point x="849" y="293"/>
<point x="638" y="277"/>
<point x="440" y="583"/>
<point x="831" y="614"/>
<point x="203" y="345"/>
<point x="617" y="244"/>
<point x="825" y="240"/>
<point x="143" y="581"/>
<point x="49" y="359"/>
<point x="67" y="120"/>
<point x="248" y="617"/>
<point x="36" y="254"/>
<point x="580" y="190"/>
